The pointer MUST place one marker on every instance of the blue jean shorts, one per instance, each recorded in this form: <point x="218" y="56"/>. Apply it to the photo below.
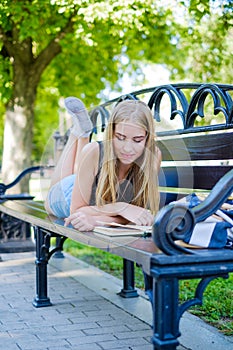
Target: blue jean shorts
<point x="59" y="196"/>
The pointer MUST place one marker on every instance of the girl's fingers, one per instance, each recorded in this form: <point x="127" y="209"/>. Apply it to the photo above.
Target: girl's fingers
<point x="71" y="218"/>
<point x="67" y="221"/>
<point x="79" y="222"/>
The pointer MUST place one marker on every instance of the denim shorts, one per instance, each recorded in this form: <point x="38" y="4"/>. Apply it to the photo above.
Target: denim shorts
<point x="59" y="196"/>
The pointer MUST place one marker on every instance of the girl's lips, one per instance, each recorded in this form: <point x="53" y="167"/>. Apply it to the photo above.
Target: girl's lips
<point x="126" y="156"/>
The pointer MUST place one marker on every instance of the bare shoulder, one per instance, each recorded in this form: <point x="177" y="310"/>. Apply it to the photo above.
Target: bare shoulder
<point x="91" y="148"/>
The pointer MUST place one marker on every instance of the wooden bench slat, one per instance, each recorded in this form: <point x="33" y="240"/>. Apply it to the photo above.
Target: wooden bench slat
<point x="192" y="177"/>
<point x="126" y="247"/>
<point x="198" y="147"/>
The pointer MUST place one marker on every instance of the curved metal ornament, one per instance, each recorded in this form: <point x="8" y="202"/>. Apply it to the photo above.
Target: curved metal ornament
<point x="198" y="298"/>
<point x="174" y="221"/>
<point x="104" y="115"/>
<point x="175" y="95"/>
<point x="196" y="105"/>
<point x="12" y="229"/>
<point x="220" y="192"/>
<point x="171" y="224"/>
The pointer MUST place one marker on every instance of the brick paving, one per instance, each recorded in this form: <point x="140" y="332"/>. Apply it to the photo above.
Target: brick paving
<point x="87" y="313"/>
<point x="79" y="318"/>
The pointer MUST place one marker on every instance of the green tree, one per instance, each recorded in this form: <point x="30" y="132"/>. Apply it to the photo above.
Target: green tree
<point x="207" y="40"/>
<point x="76" y="46"/>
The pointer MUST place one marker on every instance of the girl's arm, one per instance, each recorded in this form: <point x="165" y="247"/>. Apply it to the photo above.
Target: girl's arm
<point x="86" y="218"/>
<point x="87" y="168"/>
<point x="81" y="212"/>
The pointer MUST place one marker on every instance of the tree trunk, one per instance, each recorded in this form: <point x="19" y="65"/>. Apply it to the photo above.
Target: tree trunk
<point x="18" y="129"/>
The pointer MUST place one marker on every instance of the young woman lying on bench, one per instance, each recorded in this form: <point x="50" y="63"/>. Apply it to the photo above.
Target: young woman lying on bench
<point x="111" y="181"/>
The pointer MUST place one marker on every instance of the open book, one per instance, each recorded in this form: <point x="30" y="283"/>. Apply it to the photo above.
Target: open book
<point x="117" y="230"/>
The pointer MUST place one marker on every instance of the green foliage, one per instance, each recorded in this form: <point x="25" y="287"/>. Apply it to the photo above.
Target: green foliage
<point x="5" y="78"/>
<point x="100" y="32"/>
<point x="206" y="40"/>
<point x="91" y="44"/>
<point x="2" y="111"/>
<point x="78" y="48"/>
<point x="217" y="308"/>
<point x="46" y="123"/>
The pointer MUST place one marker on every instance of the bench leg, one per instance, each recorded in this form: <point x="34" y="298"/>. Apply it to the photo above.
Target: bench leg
<point x="59" y="244"/>
<point x="165" y="313"/>
<point x="128" y="290"/>
<point x="42" y="257"/>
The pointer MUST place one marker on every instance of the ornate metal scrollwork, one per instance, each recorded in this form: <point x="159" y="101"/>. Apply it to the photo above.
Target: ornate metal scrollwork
<point x="219" y="96"/>
<point x="198" y="298"/>
<point x="130" y="96"/>
<point x="190" y="109"/>
<point x="175" y="95"/>
<point x="171" y="225"/>
<point x="12" y="229"/>
<point x="220" y="192"/>
<point x="186" y="100"/>
<point x="174" y="221"/>
<point x="104" y="115"/>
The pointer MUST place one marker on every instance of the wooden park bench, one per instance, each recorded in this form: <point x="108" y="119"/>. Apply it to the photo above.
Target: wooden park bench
<point x="196" y="157"/>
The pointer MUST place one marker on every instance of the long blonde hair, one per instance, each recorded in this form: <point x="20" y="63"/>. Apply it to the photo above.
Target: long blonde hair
<point x="143" y="172"/>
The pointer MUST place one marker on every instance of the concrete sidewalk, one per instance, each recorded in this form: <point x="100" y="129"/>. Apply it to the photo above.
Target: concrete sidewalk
<point x="87" y="313"/>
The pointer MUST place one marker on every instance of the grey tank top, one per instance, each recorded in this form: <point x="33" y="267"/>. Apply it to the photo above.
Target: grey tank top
<point x="125" y="187"/>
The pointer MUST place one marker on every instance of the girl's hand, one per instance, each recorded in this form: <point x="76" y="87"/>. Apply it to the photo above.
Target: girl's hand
<point x="81" y="221"/>
<point x="137" y="215"/>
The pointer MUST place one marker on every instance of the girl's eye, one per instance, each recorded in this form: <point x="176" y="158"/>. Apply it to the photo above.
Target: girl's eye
<point x="138" y="139"/>
<point x="120" y="137"/>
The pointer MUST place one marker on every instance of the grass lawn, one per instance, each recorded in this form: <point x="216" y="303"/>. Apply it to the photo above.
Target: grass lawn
<point x="217" y="307"/>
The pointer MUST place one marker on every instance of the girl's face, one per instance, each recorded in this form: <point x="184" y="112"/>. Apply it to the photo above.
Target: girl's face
<point x="128" y="142"/>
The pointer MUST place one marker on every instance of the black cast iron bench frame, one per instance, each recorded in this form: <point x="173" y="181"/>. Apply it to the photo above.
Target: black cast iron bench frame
<point x="164" y="262"/>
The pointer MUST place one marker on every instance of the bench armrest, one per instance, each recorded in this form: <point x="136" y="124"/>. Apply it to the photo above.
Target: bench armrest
<point x="4" y="187"/>
<point x="175" y="220"/>
<point x="218" y="195"/>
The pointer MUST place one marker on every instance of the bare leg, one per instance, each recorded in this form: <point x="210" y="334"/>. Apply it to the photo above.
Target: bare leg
<point x="79" y="137"/>
<point x="67" y="162"/>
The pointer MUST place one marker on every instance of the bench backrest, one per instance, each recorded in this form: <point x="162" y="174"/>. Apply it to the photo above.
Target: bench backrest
<point x="195" y="162"/>
<point x="194" y="124"/>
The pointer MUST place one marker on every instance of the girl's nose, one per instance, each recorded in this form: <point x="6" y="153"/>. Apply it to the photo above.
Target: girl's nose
<point x="127" y="145"/>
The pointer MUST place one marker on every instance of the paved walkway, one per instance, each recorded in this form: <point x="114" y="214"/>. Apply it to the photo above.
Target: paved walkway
<point x="87" y="313"/>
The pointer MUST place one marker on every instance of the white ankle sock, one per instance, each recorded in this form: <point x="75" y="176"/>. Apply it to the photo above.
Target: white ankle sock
<point x="82" y="125"/>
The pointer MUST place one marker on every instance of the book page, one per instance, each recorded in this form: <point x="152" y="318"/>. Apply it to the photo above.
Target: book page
<point x="113" y="229"/>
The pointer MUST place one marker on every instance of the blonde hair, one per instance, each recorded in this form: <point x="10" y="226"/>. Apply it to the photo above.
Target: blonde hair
<point x="143" y="174"/>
